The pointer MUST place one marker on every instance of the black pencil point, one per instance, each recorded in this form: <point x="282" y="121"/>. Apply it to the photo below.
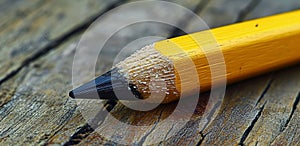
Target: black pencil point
<point x="71" y="94"/>
<point x="111" y="85"/>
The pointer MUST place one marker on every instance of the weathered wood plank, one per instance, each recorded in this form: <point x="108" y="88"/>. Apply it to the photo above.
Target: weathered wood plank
<point x="278" y="100"/>
<point x="39" y="106"/>
<point x="55" y="18"/>
<point x="290" y="134"/>
<point x="27" y="102"/>
<point x="146" y="136"/>
<point x="265" y="115"/>
<point x="11" y="10"/>
<point x="237" y="110"/>
<point x="36" y="101"/>
<point x="39" y="110"/>
<point x="29" y="28"/>
<point x="267" y="8"/>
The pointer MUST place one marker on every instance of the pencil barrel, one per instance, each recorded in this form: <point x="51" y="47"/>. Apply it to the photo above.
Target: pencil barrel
<point x="247" y="49"/>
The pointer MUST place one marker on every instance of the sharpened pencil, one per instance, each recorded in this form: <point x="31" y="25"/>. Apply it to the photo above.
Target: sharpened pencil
<point x="249" y="49"/>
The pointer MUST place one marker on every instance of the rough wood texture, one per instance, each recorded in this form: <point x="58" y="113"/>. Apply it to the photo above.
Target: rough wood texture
<point x="35" y="108"/>
<point x="38" y="105"/>
<point x="30" y="29"/>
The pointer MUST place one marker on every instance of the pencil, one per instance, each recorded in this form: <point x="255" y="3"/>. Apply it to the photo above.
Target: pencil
<point x="249" y="48"/>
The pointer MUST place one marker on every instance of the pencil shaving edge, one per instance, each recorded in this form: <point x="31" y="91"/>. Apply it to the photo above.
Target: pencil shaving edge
<point x="152" y="74"/>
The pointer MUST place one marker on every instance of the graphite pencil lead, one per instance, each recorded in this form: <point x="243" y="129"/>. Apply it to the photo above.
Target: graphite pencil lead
<point x="111" y="85"/>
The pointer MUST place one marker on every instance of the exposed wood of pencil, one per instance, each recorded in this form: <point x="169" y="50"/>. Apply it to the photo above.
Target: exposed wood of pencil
<point x="250" y="48"/>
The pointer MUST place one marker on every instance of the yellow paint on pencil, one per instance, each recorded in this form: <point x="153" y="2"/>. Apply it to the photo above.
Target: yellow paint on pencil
<point x="249" y="48"/>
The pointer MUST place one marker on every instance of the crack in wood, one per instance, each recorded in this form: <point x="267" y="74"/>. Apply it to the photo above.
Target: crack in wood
<point x="82" y="133"/>
<point x="264" y="91"/>
<point x="209" y="119"/>
<point x="211" y="114"/>
<point x="253" y="122"/>
<point x="295" y="104"/>
<point x="256" y="143"/>
<point x="153" y="128"/>
<point x="167" y="134"/>
<point x="202" y="138"/>
<point x="87" y="129"/>
<point x="250" y="7"/>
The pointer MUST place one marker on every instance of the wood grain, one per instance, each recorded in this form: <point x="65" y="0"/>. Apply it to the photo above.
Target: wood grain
<point x="281" y="102"/>
<point x="36" y="110"/>
<point x="34" y="100"/>
<point x="289" y="134"/>
<point x="38" y="105"/>
<point x="34" y="28"/>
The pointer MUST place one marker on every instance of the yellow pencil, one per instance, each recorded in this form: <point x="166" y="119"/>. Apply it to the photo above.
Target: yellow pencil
<point x="249" y="48"/>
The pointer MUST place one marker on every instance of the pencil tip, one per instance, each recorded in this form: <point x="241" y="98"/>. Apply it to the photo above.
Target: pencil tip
<point x="107" y="86"/>
<point x="71" y="94"/>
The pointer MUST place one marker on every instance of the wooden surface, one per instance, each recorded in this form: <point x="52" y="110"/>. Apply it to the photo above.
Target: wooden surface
<point x="38" y="39"/>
